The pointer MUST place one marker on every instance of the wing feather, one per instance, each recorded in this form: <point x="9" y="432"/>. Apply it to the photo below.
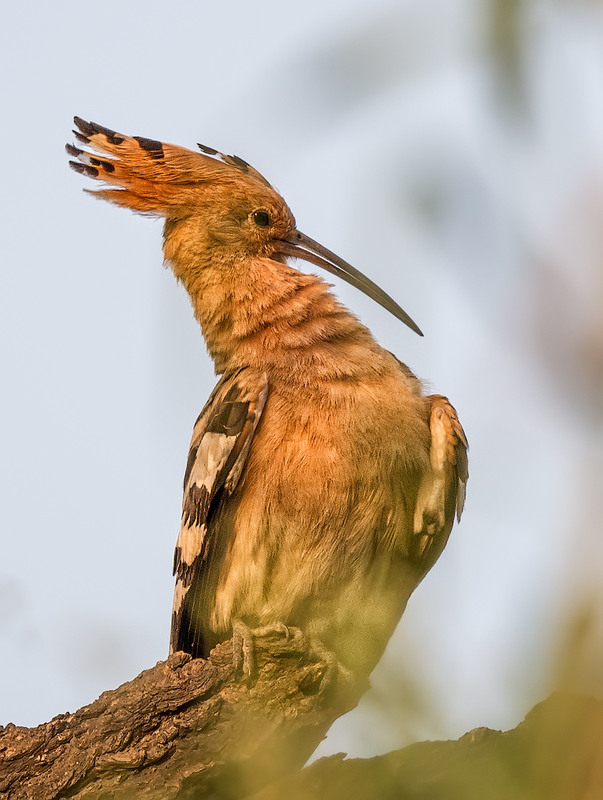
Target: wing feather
<point x="441" y="493"/>
<point x="220" y="444"/>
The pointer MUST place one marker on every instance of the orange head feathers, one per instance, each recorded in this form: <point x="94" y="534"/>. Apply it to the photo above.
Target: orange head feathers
<point x="234" y="213"/>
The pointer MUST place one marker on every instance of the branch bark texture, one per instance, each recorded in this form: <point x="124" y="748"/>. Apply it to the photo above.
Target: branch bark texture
<point x="189" y="729"/>
<point x="183" y="729"/>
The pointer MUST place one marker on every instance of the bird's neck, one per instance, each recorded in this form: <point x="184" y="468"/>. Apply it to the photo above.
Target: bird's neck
<point x="273" y="317"/>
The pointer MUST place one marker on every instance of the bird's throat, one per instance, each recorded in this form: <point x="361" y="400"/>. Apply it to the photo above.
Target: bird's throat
<point x="273" y="317"/>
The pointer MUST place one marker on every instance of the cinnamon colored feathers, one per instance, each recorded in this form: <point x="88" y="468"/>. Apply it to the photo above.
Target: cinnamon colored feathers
<point x="321" y="483"/>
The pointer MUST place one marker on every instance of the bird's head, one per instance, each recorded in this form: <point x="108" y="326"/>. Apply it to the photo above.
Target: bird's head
<point x="217" y="208"/>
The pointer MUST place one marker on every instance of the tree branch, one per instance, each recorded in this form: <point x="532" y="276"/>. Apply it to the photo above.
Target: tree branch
<point x="184" y="728"/>
<point x="188" y="729"/>
<point x="556" y="753"/>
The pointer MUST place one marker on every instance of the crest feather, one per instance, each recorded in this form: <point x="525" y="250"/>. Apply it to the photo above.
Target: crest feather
<point x="150" y="176"/>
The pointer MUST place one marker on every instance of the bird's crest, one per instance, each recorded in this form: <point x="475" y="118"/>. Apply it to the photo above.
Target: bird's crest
<point x="150" y="176"/>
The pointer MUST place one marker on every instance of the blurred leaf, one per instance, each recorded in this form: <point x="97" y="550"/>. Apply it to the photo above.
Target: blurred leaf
<point x="505" y="35"/>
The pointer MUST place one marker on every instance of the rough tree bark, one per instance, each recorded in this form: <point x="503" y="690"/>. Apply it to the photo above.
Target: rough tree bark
<point x="188" y="729"/>
<point x="183" y="729"/>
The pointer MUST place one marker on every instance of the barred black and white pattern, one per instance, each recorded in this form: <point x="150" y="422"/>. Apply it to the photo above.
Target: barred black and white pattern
<point x="219" y="447"/>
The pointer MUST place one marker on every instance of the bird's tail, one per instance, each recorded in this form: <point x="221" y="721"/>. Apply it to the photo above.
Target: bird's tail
<point x="147" y="175"/>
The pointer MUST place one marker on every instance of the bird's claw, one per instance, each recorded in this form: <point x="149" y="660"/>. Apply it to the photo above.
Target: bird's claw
<point x="325" y="673"/>
<point x="277" y="627"/>
<point x="244" y="658"/>
<point x="334" y="669"/>
<point x="321" y="677"/>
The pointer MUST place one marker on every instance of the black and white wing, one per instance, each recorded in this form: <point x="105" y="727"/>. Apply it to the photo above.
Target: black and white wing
<point x="220" y="444"/>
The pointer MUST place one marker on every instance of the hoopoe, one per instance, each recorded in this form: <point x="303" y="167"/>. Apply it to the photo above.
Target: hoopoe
<point x="321" y="483"/>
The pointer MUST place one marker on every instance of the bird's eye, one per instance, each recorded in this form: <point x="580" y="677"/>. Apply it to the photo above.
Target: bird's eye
<point x="261" y="218"/>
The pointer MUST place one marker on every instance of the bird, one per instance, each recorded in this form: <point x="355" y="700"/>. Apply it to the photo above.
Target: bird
<point x="322" y="483"/>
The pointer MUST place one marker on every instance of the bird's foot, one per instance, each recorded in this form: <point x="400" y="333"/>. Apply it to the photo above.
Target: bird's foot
<point x="244" y="659"/>
<point x="320" y="677"/>
<point x="327" y="673"/>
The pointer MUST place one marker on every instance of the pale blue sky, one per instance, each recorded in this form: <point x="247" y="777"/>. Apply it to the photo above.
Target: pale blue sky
<point x="399" y="145"/>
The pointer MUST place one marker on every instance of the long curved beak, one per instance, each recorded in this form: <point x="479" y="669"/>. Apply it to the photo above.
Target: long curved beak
<point x="298" y="245"/>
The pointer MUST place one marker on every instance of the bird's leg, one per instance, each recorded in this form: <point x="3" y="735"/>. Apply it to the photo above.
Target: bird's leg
<point x="243" y="644"/>
<point x="243" y="649"/>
